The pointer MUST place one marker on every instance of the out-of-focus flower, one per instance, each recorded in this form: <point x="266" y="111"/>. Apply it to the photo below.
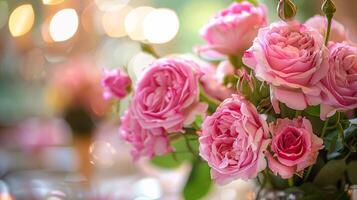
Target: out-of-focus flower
<point x="35" y="133"/>
<point x="116" y="84"/>
<point x="232" y="30"/>
<point x="145" y="142"/>
<point x="76" y="83"/>
<point x="213" y="80"/>
<point x="338" y="32"/>
<point x="292" y="59"/>
<point x="294" y="146"/>
<point x="167" y="95"/>
<point x="339" y="87"/>
<point x="224" y="69"/>
<point x="233" y="141"/>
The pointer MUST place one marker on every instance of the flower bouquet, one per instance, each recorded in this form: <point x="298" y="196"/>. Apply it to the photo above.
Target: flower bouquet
<point x="270" y="102"/>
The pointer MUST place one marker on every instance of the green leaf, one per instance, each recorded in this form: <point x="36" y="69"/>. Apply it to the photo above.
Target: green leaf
<point x="312" y="197"/>
<point x="199" y="181"/>
<point x="352" y="172"/>
<point x="310" y="189"/>
<point x="340" y="195"/>
<point x="286" y="111"/>
<point x="351" y="131"/>
<point x="313" y="111"/>
<point x="198" y="121"/>
<point x="176" y="158"/>
<point x="317" y="123"/>
<point x="277" y="182"/>
<point x="169" y="160"/>
<point x="333" y="144"/>
<point x="331" y="173"/>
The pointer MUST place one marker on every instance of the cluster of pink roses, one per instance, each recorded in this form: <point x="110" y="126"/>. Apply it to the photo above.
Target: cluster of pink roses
<point x="165" y="100"/>
<point x="301" y="71"/>
<point x="291" y="57"/>
<point x="236" y="140"/>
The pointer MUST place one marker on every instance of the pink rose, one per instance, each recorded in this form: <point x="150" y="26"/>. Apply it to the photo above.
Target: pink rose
<point x="116" y="84"/>
<point x="167" y="95"/>
<point x="145" y="142"/>
<point x="233" y="141"/>
<point x="294" y="146"/>
<point x="339" y="87"/>
<point x="291" y="58"/>
<point x="212" y="81"/>
<point x="338" y="32"/>
<point x="232" y="30"/>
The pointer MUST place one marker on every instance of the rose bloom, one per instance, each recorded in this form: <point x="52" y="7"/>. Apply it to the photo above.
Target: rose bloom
<point x="145" y="142"/>
<point x="232" y="30"/>
<point x="338" y="32"/>
<point x="116" y="84"/>
<point x="233" y="141"/>
<point x="294" y="146"/>
<point x="291" y="58"/>
<point x="339" y="87"/>
<point x="167" y="95"/>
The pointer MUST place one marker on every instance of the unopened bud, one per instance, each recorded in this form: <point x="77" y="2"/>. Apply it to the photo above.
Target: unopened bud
<point x="286" y="10"/>
<point x="328" y="7"/>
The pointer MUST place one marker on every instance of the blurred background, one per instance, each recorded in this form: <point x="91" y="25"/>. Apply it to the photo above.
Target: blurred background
<point x="58" y="136"/>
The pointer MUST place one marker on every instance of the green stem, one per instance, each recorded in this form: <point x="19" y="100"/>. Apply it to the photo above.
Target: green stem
<point x="262" y="186"/>
<point x="328" y="8"/>
<point x="307" y="173"/>
<point x="149" y="49"/>
<point x="189" y="147"/>
<point x="324" y="128"/>
<point x="236" y="61"/>
<point x="297" y="113"/>
<point x="328" y="30"/>
<point x="338" y="115"/>
<point x="291" y="181"/>
<point x="117" y="108"/>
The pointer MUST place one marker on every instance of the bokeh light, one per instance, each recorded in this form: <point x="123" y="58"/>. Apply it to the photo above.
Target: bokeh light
<point x="148" y="188"/>
<point x="4" y="191"/>
<point x="116" y="52"/>
<point x="87" y="18"/>
<point x="21" y="20"/>
<point x="52" y="2"/>
<point x="138" y="63"/>
<point x="108" y="5"/>
<point x="134" y="22"/>
<point x="102" y="154"/>
<point x="113" y="21"/>
<point x="161" y="26"/>
<point x="4" y="11"/>
<point x="64" y="25"/>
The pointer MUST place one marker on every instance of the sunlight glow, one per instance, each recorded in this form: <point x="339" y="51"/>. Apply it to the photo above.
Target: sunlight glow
<point x="21" y="20"/>
<point x="161" y="26"/>
<point x="64" y="25"/>
<point x="134" y="22"/>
